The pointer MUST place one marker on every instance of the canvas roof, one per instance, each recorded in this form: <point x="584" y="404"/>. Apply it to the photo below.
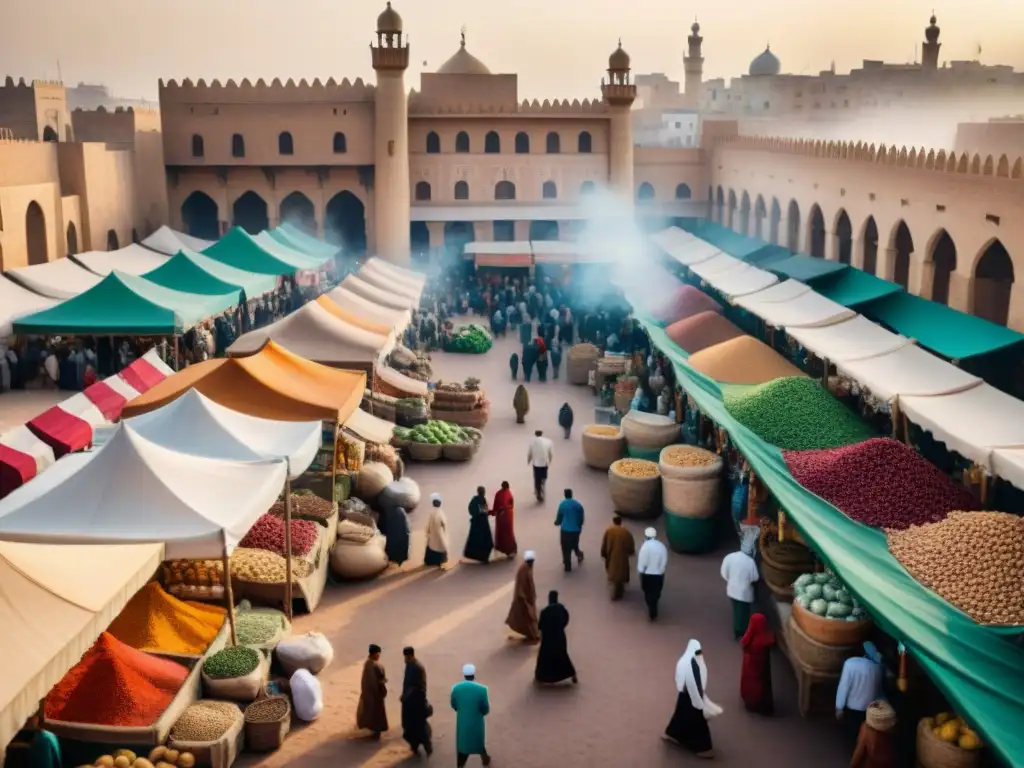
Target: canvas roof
<point x="742" y="281"/>
<point x="108" y="400"/>
<point x="787" y="290"/>
<point x="22" y="439"/>
<point x="16" y="301"/>
<point x="272" y="384"/>
<point x="61" y="430"/>
<point x="412" y="277"/>
<point x="314" y="333"/>
<point x="198" y="426"/>
<point x="239" y="250"/>
<point x="16" y="469"/>
<point x="806" y="268"/>
<point x="400" y="381"/>
<point x="808" y="310"/>
<point x="152" y="357"/>
<point x="853" y="287"/>
<point x="357" y="304"/>
<point x="194" y="272"/>
<point x="58" y="279"/>
<point x="692" y="251"/>
<point x="133" y="491"/>
<point x="724" y="238"/>
<point x="719" y="264"/>
<point x="134" y="259"/>
<point x="169" y="241"/>
<point x="381" y="329"/>
<point x="854" y="339"/>
<point x="288" y="252"/>
<point x="376" y="295"/>
<point x="1008" y="463"/>
<point x="53" y="606"/>
<point x="370" y="427"/>
<point x="293" y="236"/>
<point x="143" y="374"/>
<point x="908" y="370"/>
<point x="129" y="305"/>
<point x="387" y="283"/>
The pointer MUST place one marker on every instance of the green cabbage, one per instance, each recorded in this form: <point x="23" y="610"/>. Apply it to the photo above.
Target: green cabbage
<point x="813" y="591"/>
<point x="803" y="580"/>
<point x="838" y="611"/>
<point x="818" y="607"/>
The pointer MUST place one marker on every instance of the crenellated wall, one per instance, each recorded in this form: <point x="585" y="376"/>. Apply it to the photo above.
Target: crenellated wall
<point x="27" y="110"/>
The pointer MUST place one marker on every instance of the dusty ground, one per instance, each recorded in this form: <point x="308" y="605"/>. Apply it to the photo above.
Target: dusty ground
<point x="21" y="405"/>
<point x="616" y="715"/>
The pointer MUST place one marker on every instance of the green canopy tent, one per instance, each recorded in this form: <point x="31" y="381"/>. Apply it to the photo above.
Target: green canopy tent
<point x="192" y="272"/>
<point x="805" y="268"/>
<point x="127" y="305"/>
<point x="293" y="237"/>
<point x="239" y="250"/>
<point x="853" y="287"/>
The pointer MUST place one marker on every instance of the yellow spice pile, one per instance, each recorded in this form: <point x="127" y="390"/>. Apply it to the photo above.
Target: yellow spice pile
<point x="688" y="456"/>
<point x="603" y="431"/>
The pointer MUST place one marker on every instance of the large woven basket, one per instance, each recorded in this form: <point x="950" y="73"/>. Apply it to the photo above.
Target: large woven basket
<point x="687" y="472"/>
<point x="425" y="451"/>
<point x="459" y="451"/>
<point x="443" y="398"/>
<point x="780" y="576"/>
<point x="881" y="716"/>
<point x="649" y="430"/>
<point x="933" y="752"/>
<point x="601" y="451"/>
<point x="634" y="496"/>
<point x="691" y="498"/>
<point x="831" y="631"/>
<point x="580" y="361"/>
<point x="827" y="659"/>
<point x="268" y="736"/>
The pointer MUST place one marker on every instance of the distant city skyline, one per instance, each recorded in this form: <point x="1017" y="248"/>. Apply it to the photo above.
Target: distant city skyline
<point x="557" y="49"/>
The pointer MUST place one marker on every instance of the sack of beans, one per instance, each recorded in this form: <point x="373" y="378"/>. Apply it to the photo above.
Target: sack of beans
<point x="971" y="559"/>
<point x="211" y="731"/>
<point x="267" y="722"/>
<point x="311" y="651"/>
<point x="688" y="462"/>
<point x="602" y="445"/>
<point x="236" y="673"/>
<point x="373" y="478"/>
<point x="635" y="487"/>
<point x="649" y="430"/>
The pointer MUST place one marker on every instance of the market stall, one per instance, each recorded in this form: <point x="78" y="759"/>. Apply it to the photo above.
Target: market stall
<point x="59" y="279"/>
<point x="700" y="331"/>
<point x="295" y="237"/>
<point x="17" y="301"/>
<point x="808" y="309"/>
<point x="856" y="338"/>
<point x="62" y="431"/>
<point x="238" y="249"/>
<point x="16" y="469"/>
<point x="23" y="440"/>
<point x="168" y="241"/>
<point x="719" y="264"/>
<point x="194" y="272"/>
<point x="376" y="295"/>
<point x="692" y="252"/>
<point x="685" y="302"/>
<point x="742" y="360"/>
<point x="806" y="268"/>
<point x="350" y="301"/>
<point x="388" y="283"/>
<point x="741" y="281"/>
<point x="146" y="372"/>
<point x="408" y="276"/>
<point x="351" y="318"/>
<point x="133" y="259"/>
<point x="106" y="398"/>
<point x="908" y="370"/>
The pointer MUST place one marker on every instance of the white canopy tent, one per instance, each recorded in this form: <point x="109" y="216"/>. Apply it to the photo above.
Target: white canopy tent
<point x="17" y="301"/>
<point x="314" y="333"/>
<point x="133" y="259"/>
<point x="907" y="371"/>
<point x="60" y="279"/>
<point x="398" y="319"/>
<point x="388" y="283"/>
<point x="22" y="439"/>
<point x="195" y="425"/>
<point x="53" y="606"/>
<point x="787" y="290"/>
<point x="693" y="251"/>
<point x="855" y="339"/>
<point x="742" y="281"/>
<point x="402" y="382"/>
<point x="809" y="309"/>
<point x="1008" y="463"/>
<point x="372" y="293"/>
<point x="719" y="264"/>
<point x="81" y="406"/>
<point x="415" y="279"/>
<point x="369" y="427"/>
<point x="168" y="241"/>
<point x="135" y="491"/>
<point x="671" y="237"/>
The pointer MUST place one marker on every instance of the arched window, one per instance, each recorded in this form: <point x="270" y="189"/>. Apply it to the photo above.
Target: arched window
<point x="461" y="190"/>
<point x="492" y="143"/>
<point x="462" y="142"/>
<point x="112" y="241"/>
<point x="49" y="134"/>
<point x="585" y="143"/>
<point x="238" y="145"/>
<point x="645" y="192"/>
<point x="587" y="188"/>
<point x="433" y="143"/>
<point x="522" y="143"/>
<point x="549" y="190"/>
<point x="197" y="145"/>
<point x="422" y="190"/>
<point x="504" y="190"/>
<point x="554" y="143"/>
<point x="683" y="192"/>
<point x="340" y="143"/>
<point x="285" y="145"/>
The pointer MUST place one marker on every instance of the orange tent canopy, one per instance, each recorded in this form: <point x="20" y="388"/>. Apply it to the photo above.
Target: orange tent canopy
<point x="353" y="319"/>
<point x="272" y="384"/>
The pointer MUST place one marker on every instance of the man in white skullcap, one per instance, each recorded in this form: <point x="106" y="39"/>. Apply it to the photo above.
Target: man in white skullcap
<point x="651" y="564"/>
<point x="522" y="616"/>
<point x="437" y="534"/>
<point x="471" y="705"/>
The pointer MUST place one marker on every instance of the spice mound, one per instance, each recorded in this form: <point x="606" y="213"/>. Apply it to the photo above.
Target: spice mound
<point x="264" y="567"/>
<point x="154" y="620"/>
<point x="268" y="534"/>
<point x="701" y="331"/>
<point x="304" y="505"/>
<point x="971" y="559"/>
<point x="259" y="625"/>
<point x="635" y="468"/>
<point x="880" y="482"/>
<point x="602" y="431"/>
<point x="267" y="710"/>
<point x="688" y="456"/>
<point x="206" y="720"/>
<point x="114" y="684"/>
<point x="743" y="360"/>
<point x="237" y="661"/>
<point x="796" y="413"/>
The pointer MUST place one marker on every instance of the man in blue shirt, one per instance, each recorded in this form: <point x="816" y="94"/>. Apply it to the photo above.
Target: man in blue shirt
<point x="862" y="682"/>
<point x="570" y="522"/>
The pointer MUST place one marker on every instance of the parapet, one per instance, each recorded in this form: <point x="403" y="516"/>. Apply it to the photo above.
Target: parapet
<point x="245" y="91"/>
<point x="893" y="155"/>
<point x="420" y="106"/>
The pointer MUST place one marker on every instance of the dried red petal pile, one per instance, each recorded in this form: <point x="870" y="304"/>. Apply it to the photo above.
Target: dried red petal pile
<point x="268" y="534"/>
<point x="880" y="482"/>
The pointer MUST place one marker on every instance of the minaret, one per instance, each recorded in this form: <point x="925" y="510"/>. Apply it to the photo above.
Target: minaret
<point x="391" y="144"/>
<point x="693" y="64"/>
<point x="619" y="94"/>
<point x="930" y="49"/>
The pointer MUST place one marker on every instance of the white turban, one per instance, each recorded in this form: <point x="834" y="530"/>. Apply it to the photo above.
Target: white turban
<point x="650" y="533"/>
<point x="435" y="498"/>
<point x="530" y="556"/>
<point x="468" y="670"/>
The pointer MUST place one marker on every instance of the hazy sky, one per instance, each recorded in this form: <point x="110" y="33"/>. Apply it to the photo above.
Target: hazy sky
<point x="559" y="48"/>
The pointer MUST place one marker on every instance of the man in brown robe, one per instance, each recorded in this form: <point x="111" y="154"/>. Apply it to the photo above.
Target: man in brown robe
<point x="522" y="616"/>
<point x="617" y="547"/>
<point x="371" y="714"/>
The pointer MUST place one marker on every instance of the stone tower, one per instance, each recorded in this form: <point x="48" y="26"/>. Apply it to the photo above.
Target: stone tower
<point x="693" y="64"/>
<point x="619" y="94"/>
<point x="930" y="48"/>
<point x="391" y="144"/>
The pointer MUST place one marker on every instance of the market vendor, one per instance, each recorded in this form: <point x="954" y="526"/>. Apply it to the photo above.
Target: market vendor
<point x="860" y="684"/>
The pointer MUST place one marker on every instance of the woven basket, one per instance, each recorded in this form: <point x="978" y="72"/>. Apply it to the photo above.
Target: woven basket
<point x="459" y="451"/>
<point x="632" y="496"/>
<point x="425" y="451"/>
<point x="691" y="535"/>
<point x="881" y="716"/>
<point x="831" y="631"/>
<point x="601" y="451"/>
<point x="648" y="430"/>
<point x="691" y="498"/>
<point x="696" y="472"/>
<point x="827" y="659"/>
<point x="933" y="752"/>
<point x="443" y="397"/>
<point x="580" y="361"/>
<point x="268" y="736"/>
<point x="780" y="576"/>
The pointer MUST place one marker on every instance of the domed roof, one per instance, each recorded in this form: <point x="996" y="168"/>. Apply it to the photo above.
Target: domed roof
<point x="389" y="21"/>
<point x="463" y="63"/>
<point x="766" y="64"/>
<point x="695" y="28"/>
<point x="931" y="32"/>
<point x="619" y="60"/>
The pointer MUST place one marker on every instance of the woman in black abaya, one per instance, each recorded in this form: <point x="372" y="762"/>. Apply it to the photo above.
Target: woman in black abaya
<point x="553" y="662"/>
<point x="480" y="541"/>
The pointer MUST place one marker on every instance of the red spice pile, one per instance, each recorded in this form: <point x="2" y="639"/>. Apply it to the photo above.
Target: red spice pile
<point x="701" y="331"/>
<point x="114" y="684"/>
<point x="268" y="534"/>
<point x="686" y="302"/>
<point x="881" y="482"/>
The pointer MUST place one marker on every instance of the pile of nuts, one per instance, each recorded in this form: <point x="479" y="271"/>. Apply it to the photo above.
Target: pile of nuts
<point x="602" y="431"/>
<point x="635" y="468"/>
<point x="263" y="567"/>
<point x="688" y="456"/>
<point x="971" y="559"/>
<point x="234" y="661"/>
<point x="268" y="710"/>
<point x="206" y="720"/>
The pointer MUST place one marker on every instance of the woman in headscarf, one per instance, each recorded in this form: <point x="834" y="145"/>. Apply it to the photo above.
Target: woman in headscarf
<point x="436" y="554"/>
<point x="479" y="543"/>
<point x="756" y="675"/>
<point x="689" y="725"/>
<point x="395" y="526"/>
<point x="503" y="511"/>
<point x="553" y="662"/>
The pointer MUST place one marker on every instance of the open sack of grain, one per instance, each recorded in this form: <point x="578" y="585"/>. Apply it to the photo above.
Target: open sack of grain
<point x="649" y="431"/>
<point x="635" y="487"/>
<point x="602" y="445"/>
<point x="236" y="673"/>
<point x="691" y="481"/>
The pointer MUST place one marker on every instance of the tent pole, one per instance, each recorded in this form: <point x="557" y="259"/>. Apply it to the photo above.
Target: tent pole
<point x="334" y="465"/>
<point x="288" y="540"/>
<point x="177" y="355"/>
<point x="229" y="595"/>
<point x="894" y="415"/>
